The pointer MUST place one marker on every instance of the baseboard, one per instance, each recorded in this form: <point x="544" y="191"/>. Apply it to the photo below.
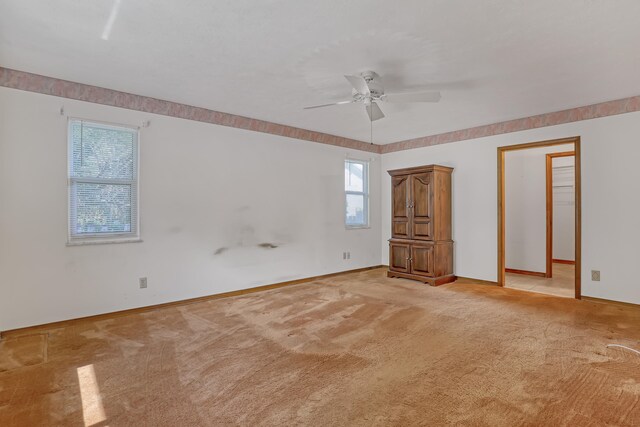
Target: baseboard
<point x="471" y="280"/>
<point x="525" y="272"/>
<point x="462" y="279"/>
<point x="432" y="281"/>
<point x="609" y="301"/>
<point x="564" y="261"/>
<point x="65" y="323"/>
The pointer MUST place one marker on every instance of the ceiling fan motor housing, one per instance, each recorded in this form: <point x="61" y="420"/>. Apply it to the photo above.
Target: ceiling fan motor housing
<point x="373" y="81"/>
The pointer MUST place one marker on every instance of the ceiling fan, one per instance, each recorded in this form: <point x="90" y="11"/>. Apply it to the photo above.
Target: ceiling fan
<point x="368" y="90"/>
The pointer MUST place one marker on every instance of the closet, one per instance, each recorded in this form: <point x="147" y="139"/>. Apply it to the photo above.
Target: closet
<point x="420" y="247"/>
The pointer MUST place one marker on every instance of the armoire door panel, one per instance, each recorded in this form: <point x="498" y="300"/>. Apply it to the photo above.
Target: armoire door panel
<point x="400" y="196"/>
<point x="422" y="260"/>
<point x="422" y="230"/>
<point x="421" y="195"/>
<point x="399" y="254"/>
<point x="422" y="206"/>
<point x="400" y="229"/>
<point x="400" y="213"/>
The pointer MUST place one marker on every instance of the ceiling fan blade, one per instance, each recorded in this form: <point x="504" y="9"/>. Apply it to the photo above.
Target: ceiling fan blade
<point x="359" y="84"/>
<point x="412" y="97"/>
<point x="351" y="101"/>
<point x="374" y="112"/>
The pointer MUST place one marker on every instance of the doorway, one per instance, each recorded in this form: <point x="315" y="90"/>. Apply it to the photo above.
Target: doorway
<point x="527" y="256"/>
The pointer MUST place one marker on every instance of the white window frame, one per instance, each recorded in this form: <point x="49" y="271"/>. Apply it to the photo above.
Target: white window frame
<point x="365" y="193"/>
<point x="103" y="238"/>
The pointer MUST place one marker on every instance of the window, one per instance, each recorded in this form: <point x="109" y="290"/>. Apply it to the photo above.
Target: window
<point x="103" y="182"/>
<point x="356" y="188"/>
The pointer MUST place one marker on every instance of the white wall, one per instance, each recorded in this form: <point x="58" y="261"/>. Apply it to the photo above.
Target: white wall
<point x="526" y="207"/>
<point x="202" y="187"/>
<point x="610" y="200"/>
<point x="564" y="208"/>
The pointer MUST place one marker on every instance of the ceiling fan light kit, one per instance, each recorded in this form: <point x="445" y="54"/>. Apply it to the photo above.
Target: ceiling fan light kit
<point x="367" y="89"/>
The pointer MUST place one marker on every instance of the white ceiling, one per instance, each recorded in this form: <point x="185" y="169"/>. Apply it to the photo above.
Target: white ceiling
<point x="493" y="60"/>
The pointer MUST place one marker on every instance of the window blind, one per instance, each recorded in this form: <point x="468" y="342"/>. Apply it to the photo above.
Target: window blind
<point x="356" y="186"/>
<point x="103" y="180"/>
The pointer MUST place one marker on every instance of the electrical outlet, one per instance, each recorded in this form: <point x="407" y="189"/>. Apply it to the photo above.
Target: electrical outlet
<point x="143" y="283"/>
<point x="595" y="275"/>
<point x="348" y="255"/>
<point x="344" y="255"/>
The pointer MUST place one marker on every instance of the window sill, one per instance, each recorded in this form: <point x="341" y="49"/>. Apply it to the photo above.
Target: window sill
<point x="357" y="227"/>
<point x="87" y="242"/>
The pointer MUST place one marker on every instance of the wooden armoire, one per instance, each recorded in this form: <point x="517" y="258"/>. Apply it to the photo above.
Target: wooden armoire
<point x="420" y="247"/>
